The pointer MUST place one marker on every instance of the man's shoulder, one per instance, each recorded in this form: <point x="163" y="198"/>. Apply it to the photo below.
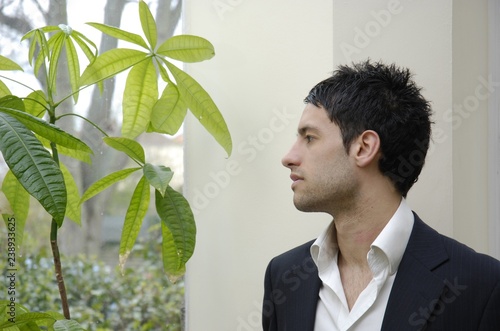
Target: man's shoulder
<point x="297" y="251"/>
<point x="457" y="253"/>
<point x="460" y="252"/>
<point x="299" y="255"/>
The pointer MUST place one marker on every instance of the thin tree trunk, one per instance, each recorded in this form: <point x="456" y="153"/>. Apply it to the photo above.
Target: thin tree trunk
<point x="104" y="159"/>
<point x="168" y="15"/>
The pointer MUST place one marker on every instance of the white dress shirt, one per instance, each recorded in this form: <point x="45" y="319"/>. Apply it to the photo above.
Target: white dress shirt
<point x="386" y="251"/>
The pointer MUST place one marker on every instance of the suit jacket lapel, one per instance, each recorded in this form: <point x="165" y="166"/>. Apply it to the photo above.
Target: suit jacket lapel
<point x="416" y="289"/>
<point x="302" y="298"/>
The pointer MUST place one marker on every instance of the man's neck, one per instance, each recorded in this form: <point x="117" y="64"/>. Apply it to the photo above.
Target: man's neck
<point x="358" y="228"/>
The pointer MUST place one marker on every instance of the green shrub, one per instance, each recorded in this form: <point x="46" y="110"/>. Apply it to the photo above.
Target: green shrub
<point x="100" y="297"/>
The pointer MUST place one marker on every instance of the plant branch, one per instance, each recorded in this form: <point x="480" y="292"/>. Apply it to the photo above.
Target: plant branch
<point x="58" y="269"/>
<point x="71" y="95"/>
<point x="15" y="81"/>
<point x="53" y="240"/>
<point x="85" y="119"/>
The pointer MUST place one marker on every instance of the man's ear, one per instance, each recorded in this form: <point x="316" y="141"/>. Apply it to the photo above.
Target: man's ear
<point x="367" y="148"/>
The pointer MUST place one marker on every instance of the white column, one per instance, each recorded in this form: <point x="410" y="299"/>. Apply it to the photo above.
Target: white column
<point x="473" y="90"/>
<point x="494" y="129"/>
<point x="269" y="54"/>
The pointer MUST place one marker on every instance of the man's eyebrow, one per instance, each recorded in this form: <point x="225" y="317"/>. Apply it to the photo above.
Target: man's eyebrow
<point x="302" y="131"/>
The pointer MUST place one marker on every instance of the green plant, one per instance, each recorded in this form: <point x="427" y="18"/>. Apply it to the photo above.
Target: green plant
<point x="31" y="143"/>
<point x="102" y="298"/>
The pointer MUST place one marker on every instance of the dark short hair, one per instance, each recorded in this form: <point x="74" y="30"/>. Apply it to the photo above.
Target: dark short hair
<point x="385" y="99"/>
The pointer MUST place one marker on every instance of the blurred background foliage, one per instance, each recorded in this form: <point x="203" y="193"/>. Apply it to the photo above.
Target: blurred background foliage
<point x="100" y="297"/>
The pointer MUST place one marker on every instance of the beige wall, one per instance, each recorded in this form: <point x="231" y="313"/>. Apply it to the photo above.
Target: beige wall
<point x="471" y="91"/>
<point x="494" y="128"/>
<point x="268" y="55"/>
<point x="416" y="34"/>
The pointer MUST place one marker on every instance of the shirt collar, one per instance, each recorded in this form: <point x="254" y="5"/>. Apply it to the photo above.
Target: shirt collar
<point x="324" y="249"/>
<point x="391" y="241"/>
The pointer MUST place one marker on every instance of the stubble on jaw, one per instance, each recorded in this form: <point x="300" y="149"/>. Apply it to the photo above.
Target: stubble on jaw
<point x="334" y="199"/>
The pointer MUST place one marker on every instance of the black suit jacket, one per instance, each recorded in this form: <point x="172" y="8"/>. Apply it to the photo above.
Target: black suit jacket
<point x="440" y="284"/>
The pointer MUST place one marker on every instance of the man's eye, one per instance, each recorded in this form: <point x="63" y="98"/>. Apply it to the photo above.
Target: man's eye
<point x="309" y="138"/>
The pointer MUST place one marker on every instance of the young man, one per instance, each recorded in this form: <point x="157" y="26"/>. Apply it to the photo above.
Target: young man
<point x="362" y="141"/>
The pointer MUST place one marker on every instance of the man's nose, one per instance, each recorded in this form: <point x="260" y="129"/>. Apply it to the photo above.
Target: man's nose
<point x="291" y="158"/>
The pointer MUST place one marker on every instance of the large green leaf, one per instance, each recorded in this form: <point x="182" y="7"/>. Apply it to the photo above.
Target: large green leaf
<point x="139" y="97"/>
<point x="38" y="43"/>
<point x="172" y="260"/>
<point x="20" y="309"/>
<point x="33" y="35"/>
<point x="111" y="63"/>
<point x="74" y="153"/>
<point x="4" y="90"/>
<point x="33" y="166"/>
<point x="148" y="24"/>
<point x="73" y="67"/>
<point x="85" y="43"/>
<point x="203" y="107"/>
<point x="22" y="319"/>
<point x="11" y="101"/>
<point x="120" y="34"/>
<point x="106" y="181"/>
<point x="43" y="54"/>
<point x="73" y="207"/>
<point x="179" y="231"/>
<point x="5" y="306"/>
<point x="56" y="315"/>
<point x="136" y="212"/>
<point x="158" y="176"/>
<point x="48" y="28"/>
<point x="130" y="147"/>
<point x="163" y="71"/>
<point x="187" y="48"/>
<point x="19" y="201"/>
<point x="168" y="112"/>
<point x="56" y="42"/>
<point x="36" y="104"/>
<point x="8" y="64"/>
<point x="67" y="325"/>
<point x="44" y="129"/>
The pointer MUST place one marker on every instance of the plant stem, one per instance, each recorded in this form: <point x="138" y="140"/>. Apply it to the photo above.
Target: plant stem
<point x="58" y="269"/>
<point x="53" y="239"/>
<point x="85" y="119"/>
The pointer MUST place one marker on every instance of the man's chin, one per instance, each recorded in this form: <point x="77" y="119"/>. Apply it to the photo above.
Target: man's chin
<point x="305" y="206"/>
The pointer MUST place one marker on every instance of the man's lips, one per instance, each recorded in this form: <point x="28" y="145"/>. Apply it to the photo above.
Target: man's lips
<point x="295" y="179"/>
